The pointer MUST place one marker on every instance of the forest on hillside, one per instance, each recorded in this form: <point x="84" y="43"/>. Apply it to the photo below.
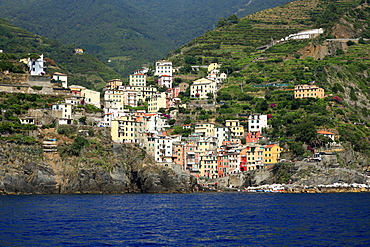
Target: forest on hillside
<point x="127" y="33"/>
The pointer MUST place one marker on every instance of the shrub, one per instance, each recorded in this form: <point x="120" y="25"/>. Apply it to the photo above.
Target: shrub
<point x="66" y="130"/>
<point x="37" y="88"/>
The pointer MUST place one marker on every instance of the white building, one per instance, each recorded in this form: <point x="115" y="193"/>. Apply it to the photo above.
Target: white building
<point x="163" y="149"/>
<point x="163" y="67"/>
<point x="37" y="66"/>
<point x="256" y="122"/>
<point x="308" y="34"/>
<point x="111" y="114"/>
<point x="154" y="122"/>
<point x="63" y="112"/>
<point x="165" y="81"/>
<point x="138" y="79"/>
<point x="202" y="87"/>
<point x="216" y="76"/>
<point x="222" y="134"/>
<point x="63" y="78"/>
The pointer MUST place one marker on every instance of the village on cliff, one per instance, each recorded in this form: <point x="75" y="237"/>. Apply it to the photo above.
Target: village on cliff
<point x="208" y="150"/>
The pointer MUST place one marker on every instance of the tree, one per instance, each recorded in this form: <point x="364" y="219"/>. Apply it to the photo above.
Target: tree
<point x="82" y="120"/>
<point x="305" y="131"/>
<point x="209" y="95"/>
<point x="222" y="22"/>
<point x="233" y="19"/>
<point x="190" y="60"/>
<point x="296" y="149"/>
<point x="171" y="121"/>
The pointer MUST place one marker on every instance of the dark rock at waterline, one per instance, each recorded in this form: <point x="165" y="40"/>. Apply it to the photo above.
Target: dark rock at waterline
<point x="21" y="173"/>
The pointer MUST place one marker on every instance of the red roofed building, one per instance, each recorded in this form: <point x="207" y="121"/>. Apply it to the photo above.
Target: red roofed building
<point x="327" y="134"/>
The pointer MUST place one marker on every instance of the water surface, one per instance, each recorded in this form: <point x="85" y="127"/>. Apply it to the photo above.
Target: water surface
<point x="204" y="219"/>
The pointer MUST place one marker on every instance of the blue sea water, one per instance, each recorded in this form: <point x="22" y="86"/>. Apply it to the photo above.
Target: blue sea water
<point x="201" y="219"/>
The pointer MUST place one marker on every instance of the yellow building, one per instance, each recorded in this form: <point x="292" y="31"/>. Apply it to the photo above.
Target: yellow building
<point x="120" y="98"/>
<point x="91" y="97"/>
<point x="144" y="92"/>
<point x="308" y="91"/>
<point x="206" y="129"/>
<point x="272" y="154"/>
<point x="113" y="84"/>
<point x="126" y="130"/>
<point x="254" y="156"/>
<point x="156" y="102"/>
<point x="235" y="128"/>
<point x="208" y="165"/>
<point x="213" y="66"/>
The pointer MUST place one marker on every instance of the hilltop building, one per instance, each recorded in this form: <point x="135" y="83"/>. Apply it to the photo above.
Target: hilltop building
<point x="308" y="91"/>
<point x="113" y="84"/>
<point x="86" y="96"/>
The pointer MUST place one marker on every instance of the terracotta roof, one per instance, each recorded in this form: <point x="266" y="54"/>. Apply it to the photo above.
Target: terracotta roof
<point x="270" y="145"/>
<point x="323" y="132"/>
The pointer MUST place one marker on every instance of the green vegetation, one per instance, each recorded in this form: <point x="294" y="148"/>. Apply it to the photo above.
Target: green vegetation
<point x="75" y="148"/>
<point x="262" y="80"/>
<point x="83" y="69"/>
<point x="127" y="33"/>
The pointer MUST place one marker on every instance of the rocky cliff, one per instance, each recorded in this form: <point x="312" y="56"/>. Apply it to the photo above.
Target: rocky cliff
<point x="27" y="170"/>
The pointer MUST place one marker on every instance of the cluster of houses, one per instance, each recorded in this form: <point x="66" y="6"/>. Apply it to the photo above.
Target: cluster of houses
<point x="209" y="151"/>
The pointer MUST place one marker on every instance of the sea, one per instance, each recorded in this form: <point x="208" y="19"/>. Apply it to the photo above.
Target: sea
<point x="197" y="219"/>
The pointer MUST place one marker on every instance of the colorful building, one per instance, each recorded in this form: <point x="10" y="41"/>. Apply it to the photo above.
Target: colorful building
<point x="235" y="128"/>
<point x="272" y="154"/>
<point x="308" y="91"/>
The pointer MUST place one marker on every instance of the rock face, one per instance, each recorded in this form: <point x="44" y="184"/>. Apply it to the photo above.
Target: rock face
<point x="26" y="170"/>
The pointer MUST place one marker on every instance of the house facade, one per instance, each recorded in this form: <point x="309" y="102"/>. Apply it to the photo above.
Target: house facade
<point x="163" y="67"/>
<point x="63" y="78"/>
<point x="157" y="101"/>
<point x="256" y="122"/>
<point x="202" y="87"/>
<point x="37" y="67"/>
<point x="126" y="130"/>
<point x="235" y="128"/>
<point x="272" y="154"/>
<point x="138" y="79"/>
<point x="308" y="91"/>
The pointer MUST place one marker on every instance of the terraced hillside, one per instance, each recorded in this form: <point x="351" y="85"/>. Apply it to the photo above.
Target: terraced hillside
<point x="262" y="80"/>
<point x="235" y="41"/>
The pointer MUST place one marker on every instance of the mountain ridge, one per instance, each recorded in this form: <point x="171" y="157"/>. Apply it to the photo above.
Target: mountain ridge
<point x="127" y="34"/>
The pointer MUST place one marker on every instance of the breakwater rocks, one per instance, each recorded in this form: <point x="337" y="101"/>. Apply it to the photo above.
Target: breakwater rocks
<point x="292" y="188"/>
<point x="26" y="170"/>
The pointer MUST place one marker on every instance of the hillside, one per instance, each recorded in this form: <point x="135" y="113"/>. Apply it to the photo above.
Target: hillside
<point x="261" y="80"/>
<point x="83" y="69"/>
<point x="262" y="73"/>
<point x="125" y="32"/>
